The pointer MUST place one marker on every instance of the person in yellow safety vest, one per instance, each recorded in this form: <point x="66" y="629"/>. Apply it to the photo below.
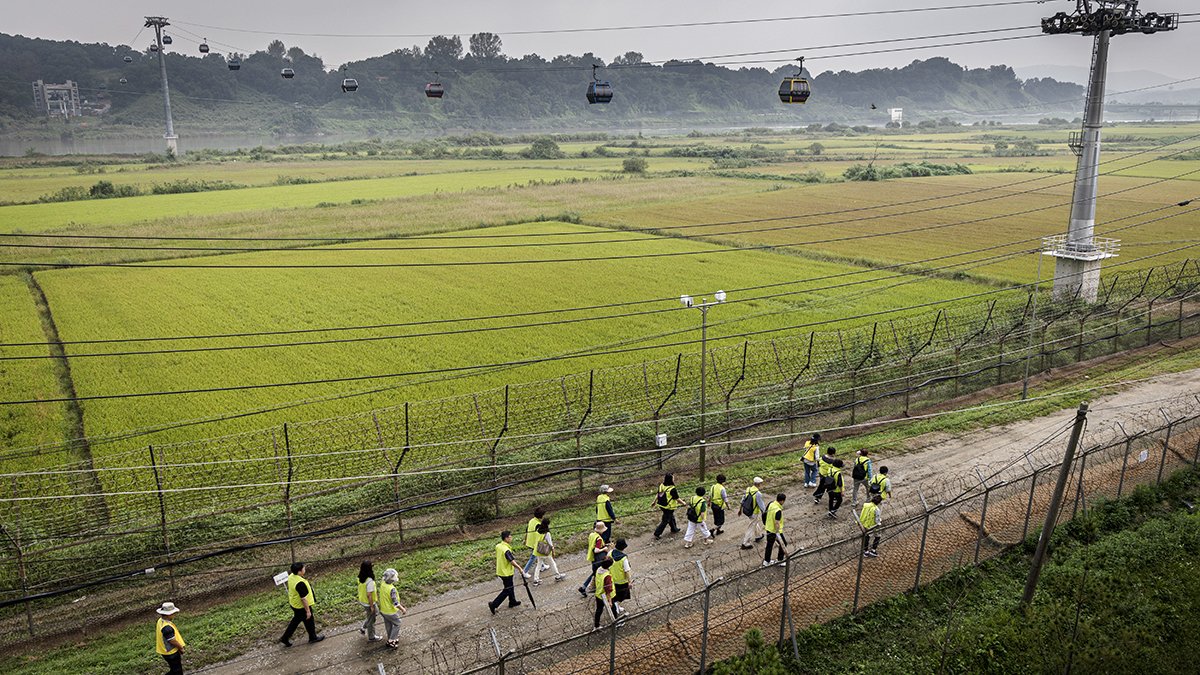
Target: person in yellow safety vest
<point x="667" y="501"/>
<point x="757" y="515"/>
<point x="301" y="598"/>
<point x="812" y="450"/>
<point x="390" y="607"/>
<point x="544" y="548"/>
<point x="870" y="522"/>
<point x="531" y="538"/>
<point x="605" y="590"/>
<point x="837" y="487"/>
<point x="597" y="551"/>
<point x="774" y="527"/>
<point x="861" y="474"/>
<point x="605" y="512"/>
<point x="824" y="474"/>
<point x="696" y="515"/>
<point x="880" y="484"/>
<point x="368" y="598"/>
<point x="168" y="641"/>
<point x="505" y="569"/>
<point x="622" y="575"/>
<point x="718" y="498"/>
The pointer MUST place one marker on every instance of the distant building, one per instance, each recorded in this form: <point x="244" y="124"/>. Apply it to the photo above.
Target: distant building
<point x="897" y="115"/>
<point x="57" y="100"/>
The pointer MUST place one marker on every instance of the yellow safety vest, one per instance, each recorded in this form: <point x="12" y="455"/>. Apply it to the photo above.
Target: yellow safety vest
<point x="504" y="568"/>
<point x="824" y="468"/>
<point x="861" y="461"/>
<point x="750" y="492"/>
<point x="531" y="532"/>
<point x="618" y="569"/>
<point x="601" y="510"/>
<point x="810" y="451"/>
<point x="882" y="481"/>
<point x="362" y="593"/>
<point x="160" y="645"/>
<point x="869" y="517"/>
<point x="772" y="525"/>
<point x="601" y="575"/>
<point x="592" y="539"/>
<point x="838" y="482"/>
<point x="385" y="599"/>
<point x="294" y="597"/>
<point x="698" y="505"/>
<point x="714" y="494"/>
<point x="671" y="503"/>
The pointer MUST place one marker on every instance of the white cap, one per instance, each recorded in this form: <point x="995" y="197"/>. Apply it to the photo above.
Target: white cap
<point x="167" y="609"/>
<point x="757" y="480"/>
<point x="605" y="488"/>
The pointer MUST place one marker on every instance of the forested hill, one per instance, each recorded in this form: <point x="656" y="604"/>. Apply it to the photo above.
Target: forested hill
<point x="483" y="85"/>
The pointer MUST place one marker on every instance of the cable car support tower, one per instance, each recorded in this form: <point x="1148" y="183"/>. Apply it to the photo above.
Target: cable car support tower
<point x="1079" y="253"/>
<point x="158" y="23"/>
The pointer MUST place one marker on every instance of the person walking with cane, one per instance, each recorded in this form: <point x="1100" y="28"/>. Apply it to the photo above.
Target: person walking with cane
<point x="168" y="641"/>
<point x="505" y="569"/>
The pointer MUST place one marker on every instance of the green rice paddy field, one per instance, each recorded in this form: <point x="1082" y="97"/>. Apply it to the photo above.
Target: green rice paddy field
<point x="799" y="231"/>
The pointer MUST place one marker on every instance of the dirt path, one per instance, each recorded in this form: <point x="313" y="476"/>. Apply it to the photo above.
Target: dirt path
<point x="443" y="633"/>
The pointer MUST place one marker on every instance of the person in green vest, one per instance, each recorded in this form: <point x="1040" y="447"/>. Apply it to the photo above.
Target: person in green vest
<point x="812" y="448"/>
<point x="757" y="512"/>
<point x="837" y="487"/>
<point x="367" y="597"/>
<point x="505" y="569"/>
<point x="597" y="552"/>
<point x="531" y="538"/>
<point x="667" y="501"/>
<point x="168" y="641"/>
<point x="696" y="515"/>
<point x="605" y="512"/>
<point x="390" y="606"/>
<point x="544" y="548"/>
<point x="880" y="484"/>
<point x="861" y="475"/>
<point x="605" y="591"/>
<point x="870" y="522"/>
<point x="718" y="498"/>
<point x="774" y="527"/>
<point x="622" y="575"/>
<point x="301" y="598"/>
<point x="824" y="474"/>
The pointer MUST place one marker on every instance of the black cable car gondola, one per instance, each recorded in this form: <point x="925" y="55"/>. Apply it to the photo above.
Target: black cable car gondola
<point x="435" y="89"/>
<point x="287" y="73"/>
<point x="124" y="81"/>
<point x="349" y="84"/>
<point x="128" y="59"/>
<point x="204" y="46"/>
<point x="154" y="48"/>
<point x="795" y="89"/>
<point x="167" y="40"/>
<point x="599" y="91"/>
<point x="234" y="63"/>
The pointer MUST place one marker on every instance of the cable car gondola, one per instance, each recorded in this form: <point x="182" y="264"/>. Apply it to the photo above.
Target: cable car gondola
<point x="599" y="91"/>
<point x="287" y="73"/>
<point x="349" y="84"/>
<point x="204" y="46"/>
<point x="795" y="89"/>
<point x="128" y="59"/>
<point x="167" y="40"/>
<point x="153" y="48"/>
<point x="435" y="89"/>
<point x="234" y="63"/>
<point x="124" y="81"/>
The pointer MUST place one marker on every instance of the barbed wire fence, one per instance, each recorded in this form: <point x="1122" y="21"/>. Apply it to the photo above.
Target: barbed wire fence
<point x="707" y="619"/>
<point x="222" y="513"/>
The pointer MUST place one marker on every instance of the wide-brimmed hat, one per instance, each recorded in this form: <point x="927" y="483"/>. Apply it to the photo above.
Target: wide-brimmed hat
<point x="605" y="488"/>
<point x="167" y="609"/>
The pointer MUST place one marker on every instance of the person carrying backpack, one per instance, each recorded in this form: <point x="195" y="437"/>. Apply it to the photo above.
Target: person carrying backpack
<point x="755" y="509"/>
<point x="544" y="548"/>
<point x="667" y="501"/>
<point x="697" y="513"/>
<point x="812" y="449"/>
<point x="836" y="487"/>
<point x="718" y="498"/>
<point x="880" y="484"/>
<point x="861" y="475"/>
<point x="824" y="474"/>
<point x="597" y="552"/>
<point x="870" y="522"/>
<point x="622" y="575"/>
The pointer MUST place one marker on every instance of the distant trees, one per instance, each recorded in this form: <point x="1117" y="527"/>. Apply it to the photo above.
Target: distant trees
<point x="442" y="49"/>
<point x="634" y="165"/>
<point x="276" y="49"/>
<point x="543" y="147"/>
<point x="486" y="46"/>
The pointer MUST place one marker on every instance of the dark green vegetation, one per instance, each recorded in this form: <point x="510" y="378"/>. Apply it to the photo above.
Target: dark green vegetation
<point x="484" y="88"/>
<point x="1118" y="596"/>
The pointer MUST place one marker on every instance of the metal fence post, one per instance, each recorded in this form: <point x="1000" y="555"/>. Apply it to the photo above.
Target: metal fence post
<point x="1029" y="506"/>
<point x="1079" y="486"/>
<point x="703" y="628"/>
<point x="1166" y="445"/>
<point x="1124" y="459"/>
<point x="987" y="493"/>
<point x="162" y="519"/>
<point x="921" y="551"/>
<point x="287" y="491"/>
<point x="16" y="542"/>
<point x="783" y="611"/>
<point x="857" y="580"/>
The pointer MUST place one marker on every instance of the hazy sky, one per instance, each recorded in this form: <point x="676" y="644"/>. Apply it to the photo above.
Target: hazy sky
<point x="117" y="21"/>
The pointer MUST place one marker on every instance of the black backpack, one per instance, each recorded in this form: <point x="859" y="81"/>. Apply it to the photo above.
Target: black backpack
<point x="747" y="507"/>
<point x="860" y="470"/>
<point x="692" y="516"/>
<point x="662" y="500"/>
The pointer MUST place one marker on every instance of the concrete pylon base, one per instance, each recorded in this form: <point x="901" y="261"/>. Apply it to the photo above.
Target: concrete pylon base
<point x="172" y="144"/>
<point x="1076" y="278"/>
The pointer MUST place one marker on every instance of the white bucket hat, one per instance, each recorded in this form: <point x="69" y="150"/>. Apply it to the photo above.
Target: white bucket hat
<point x="167" y="609"/>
